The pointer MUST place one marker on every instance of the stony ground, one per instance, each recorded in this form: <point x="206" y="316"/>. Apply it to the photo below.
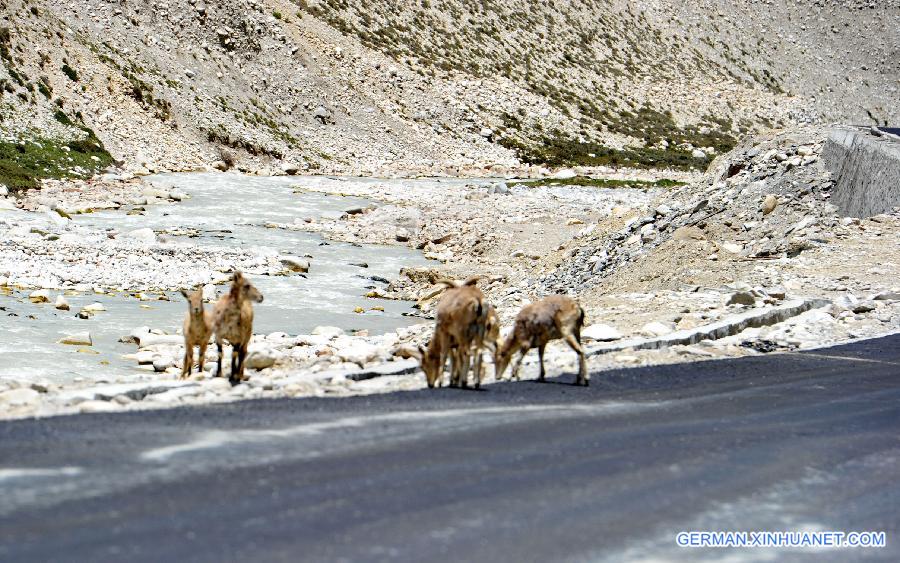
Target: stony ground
<point x="755" y="234"/>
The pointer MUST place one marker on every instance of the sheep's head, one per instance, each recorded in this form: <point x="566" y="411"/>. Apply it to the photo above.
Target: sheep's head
<point x="428" y="362"/>
<point x="195" y="301"/>
<point x="243" y="289"/>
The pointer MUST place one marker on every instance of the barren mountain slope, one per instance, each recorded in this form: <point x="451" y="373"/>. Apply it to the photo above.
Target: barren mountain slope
<point x="342" y="85"/>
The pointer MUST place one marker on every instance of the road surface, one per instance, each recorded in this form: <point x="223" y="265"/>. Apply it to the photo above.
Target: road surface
<point x="517" y="472"/>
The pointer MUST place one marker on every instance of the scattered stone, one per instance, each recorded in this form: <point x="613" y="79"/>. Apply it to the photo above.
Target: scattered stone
<point x="689" y="233"/>
<point x="769" y="204"/>
<point x="23" y="396"/>
<point x="741" y="298"/>
<point x="77" y="339"/>
<point x="261" y="358"/>
<point x="565" y="174"/>
<point x="657" y="328"/>
<point x="93" y="308"/>
<point x="144" y="236"/>
<point x="61" y="303"/>
<point x="39" y="296"/>
<point x="295" y="264"/>
<point x="601" y="333"/>
<point x="328" y="332"/>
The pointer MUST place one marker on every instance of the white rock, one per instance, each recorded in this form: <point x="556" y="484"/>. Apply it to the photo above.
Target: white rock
<point x="97" y="406"/>
<point x="150" y="339"/>
<point x="61" y="303"/>
<point x="657" y="328"/>
<point x="733" y="247"/>
<point x="39" y="296"/>
<point x="22" y="396"/>
<point x="697" y="153"/>
<point x="328" y="332"/>
<point x="209" y="292"/>
<point x="294" y="263"/>
<point x="601" y="333"/>
<point x="261" y="358"/>
<point x="565" y="174"/>
<point x="359" y="353"/>
<point x="145" y="235"/>
<point x="77" y="339"/>
<point x="93" y="308"/>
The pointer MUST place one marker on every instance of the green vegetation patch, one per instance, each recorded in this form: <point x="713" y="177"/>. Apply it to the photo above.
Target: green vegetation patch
<point x="23" y="165"/>
<point x="562" y="151"/>
<point x="601" y="183"/>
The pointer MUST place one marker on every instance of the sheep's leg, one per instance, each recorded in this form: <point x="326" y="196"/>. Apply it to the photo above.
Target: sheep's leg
<point x="242" y="355"/>
<point x="584" y="377"/>
<point x="541" y="349"/>
<point x="232" y="377"/>
<point x="464" y="362"/>
<point x="518" y="364"/>
<point x="188" y="360"/>
<point x="203" y="346"/>
<point x="219" y="360"/>
<point x="478" y="369"/>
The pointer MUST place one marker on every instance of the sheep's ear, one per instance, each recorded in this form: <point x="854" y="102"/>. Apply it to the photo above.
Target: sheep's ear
<point x="185" y="293"/>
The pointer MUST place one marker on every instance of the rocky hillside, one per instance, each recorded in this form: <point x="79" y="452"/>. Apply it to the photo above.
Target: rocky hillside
<point x="442" y="88"/>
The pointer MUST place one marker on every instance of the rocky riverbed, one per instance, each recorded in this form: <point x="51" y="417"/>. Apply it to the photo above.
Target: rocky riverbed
<point x="749" y="258"/>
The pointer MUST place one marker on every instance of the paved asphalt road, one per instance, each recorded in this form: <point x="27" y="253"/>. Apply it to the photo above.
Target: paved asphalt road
<point x="518" y="472"/>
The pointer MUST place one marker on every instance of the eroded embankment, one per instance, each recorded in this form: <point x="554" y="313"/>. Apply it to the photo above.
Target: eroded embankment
<point x="865" y="166"/>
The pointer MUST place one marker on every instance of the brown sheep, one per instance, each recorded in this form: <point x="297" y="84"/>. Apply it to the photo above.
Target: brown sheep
<point x="233" y="321"/>
<point x="197" y="328"/>
<point x="537" y="324"/>
<point x="460" y="324"/>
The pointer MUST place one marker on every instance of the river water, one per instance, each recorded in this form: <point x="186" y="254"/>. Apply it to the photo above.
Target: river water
<point x="228" y="210"/>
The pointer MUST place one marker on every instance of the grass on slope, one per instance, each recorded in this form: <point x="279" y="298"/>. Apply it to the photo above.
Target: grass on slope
<point x="585" y="181"/>
<point x="24" y="164"/>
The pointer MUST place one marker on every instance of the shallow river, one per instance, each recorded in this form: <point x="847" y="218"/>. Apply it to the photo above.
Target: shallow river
<point x="228" y="210"/>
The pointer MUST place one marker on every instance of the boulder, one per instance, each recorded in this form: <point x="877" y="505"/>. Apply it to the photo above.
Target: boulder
<point x="61" y="303"/>
<point x="565" y="174"/>
<point x="769" y="204"/>
<point x="688" y="233"/>
<point x="77" y="339"/>
<point x="657" y="328"/>
<point x="328" y="332"/>
<point x="601" y="333"/>
<point x="39" y="296"/>
<point x="145" y="235"/>
<point x="741" y="298"/>
<point x="20" y="397"/>
<point x="295" y="264"/>
<point x="261" y="358"/>
<point x="359" y="353"/>
<point x="323" y="116"/>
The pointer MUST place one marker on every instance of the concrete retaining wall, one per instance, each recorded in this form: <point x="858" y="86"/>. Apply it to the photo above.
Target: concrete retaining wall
<point x="866" y="169"/>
